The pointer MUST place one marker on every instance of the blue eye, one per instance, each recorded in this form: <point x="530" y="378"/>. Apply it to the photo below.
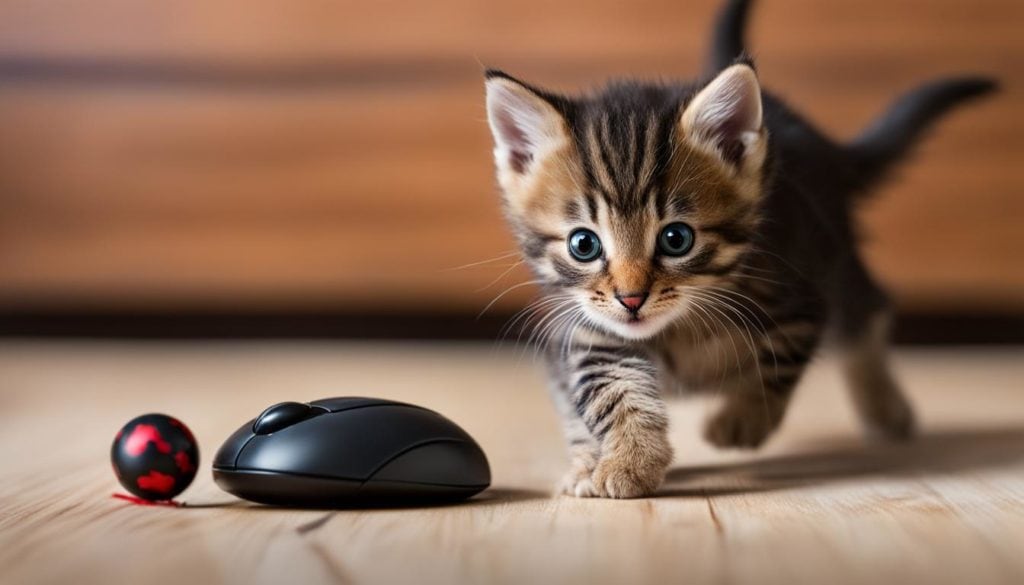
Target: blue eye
<point x="584" y="245"/>
<point x="675" y="239"/>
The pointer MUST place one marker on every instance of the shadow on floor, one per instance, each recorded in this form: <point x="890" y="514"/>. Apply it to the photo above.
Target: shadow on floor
<point x="940" y="452"/>
<point x="492" y="496"/>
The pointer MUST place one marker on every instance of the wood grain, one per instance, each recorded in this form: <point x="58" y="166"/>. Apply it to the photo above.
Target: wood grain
<point x="816" y="506"/>
<point x="347" y="165"/>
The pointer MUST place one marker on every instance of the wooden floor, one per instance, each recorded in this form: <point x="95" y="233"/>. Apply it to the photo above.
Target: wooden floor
<point x="816" y="506"/>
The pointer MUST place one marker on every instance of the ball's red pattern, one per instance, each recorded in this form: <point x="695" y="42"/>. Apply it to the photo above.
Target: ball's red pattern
<point x="141" y="436"/>
<point x="155" y="457"/>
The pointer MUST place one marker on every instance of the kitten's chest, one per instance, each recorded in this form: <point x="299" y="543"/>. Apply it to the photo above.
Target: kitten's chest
<point x="697" y="360"/>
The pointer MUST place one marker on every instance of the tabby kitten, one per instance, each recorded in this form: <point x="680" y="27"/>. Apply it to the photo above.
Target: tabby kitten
<point x="697" y="235"/>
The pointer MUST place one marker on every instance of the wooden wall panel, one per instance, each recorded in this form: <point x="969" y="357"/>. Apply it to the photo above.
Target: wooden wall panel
<point x="301" y="154"/>
<point x="200" y="198"/>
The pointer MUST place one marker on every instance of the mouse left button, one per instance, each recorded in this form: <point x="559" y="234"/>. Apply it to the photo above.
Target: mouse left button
<point x="283" y="415"/>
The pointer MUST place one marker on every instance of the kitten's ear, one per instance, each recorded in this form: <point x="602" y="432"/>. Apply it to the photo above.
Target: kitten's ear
<point x="524" y="123"/>
<point x="726" y="115"/>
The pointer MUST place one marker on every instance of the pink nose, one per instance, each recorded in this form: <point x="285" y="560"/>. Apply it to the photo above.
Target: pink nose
<point x="632" y="302"/>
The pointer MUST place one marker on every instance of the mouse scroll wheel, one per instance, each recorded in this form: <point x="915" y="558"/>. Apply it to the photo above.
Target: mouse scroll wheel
<point x="283" y="415"/>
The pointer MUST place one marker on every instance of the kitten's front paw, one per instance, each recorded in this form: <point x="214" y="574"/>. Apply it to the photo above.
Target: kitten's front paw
<point x="743" y="423"/>
<point x="613" y="478"/>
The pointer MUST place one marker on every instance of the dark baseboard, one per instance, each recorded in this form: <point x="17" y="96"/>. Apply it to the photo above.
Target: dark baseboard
<point x="255" y="325"/>
<point x="951" y="328"/>
<point x="910" y="328"/>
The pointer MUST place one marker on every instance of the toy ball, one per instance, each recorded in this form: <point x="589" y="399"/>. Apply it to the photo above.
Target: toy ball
<point x="155" y="456"/>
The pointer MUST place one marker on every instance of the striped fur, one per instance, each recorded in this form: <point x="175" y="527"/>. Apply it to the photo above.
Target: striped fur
<point x="774" y="259"/>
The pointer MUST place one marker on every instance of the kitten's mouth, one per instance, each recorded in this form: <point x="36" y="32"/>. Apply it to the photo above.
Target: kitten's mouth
<point x="631" y="326"/>
<point x="638" y="322"/>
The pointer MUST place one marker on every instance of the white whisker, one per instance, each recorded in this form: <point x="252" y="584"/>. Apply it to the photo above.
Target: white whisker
<point x="482" y="262"/>
<point x="505" y="292"/>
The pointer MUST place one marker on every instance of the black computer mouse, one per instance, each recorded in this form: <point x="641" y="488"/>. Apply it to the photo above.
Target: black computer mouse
<point x="341" y="452"/>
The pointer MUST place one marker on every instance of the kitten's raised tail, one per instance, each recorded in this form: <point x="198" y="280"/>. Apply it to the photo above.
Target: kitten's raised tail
<point x="728" y="39"/>
<point x="892" y="135"/>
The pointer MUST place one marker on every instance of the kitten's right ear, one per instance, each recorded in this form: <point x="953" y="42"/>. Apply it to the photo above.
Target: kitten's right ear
<point x="525" y="124"/>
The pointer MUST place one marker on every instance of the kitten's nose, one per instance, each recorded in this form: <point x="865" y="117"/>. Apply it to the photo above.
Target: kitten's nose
<point x="632" y="301"/>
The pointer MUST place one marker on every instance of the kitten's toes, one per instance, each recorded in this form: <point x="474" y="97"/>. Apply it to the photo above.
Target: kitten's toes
<point x="743" y="424"/>
<point x="615" y="479"/>
<point x="577" y="483"/>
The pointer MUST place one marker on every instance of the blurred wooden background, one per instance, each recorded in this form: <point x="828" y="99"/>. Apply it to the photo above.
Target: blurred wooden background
<point x="301" y="154"/>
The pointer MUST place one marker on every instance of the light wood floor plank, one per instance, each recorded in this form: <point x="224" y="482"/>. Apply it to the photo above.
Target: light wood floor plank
<point x="817" y="505"/>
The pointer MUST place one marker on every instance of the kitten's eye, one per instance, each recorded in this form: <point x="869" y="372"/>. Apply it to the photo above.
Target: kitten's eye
<point x="584" y="245"/>
<point x="675" y="239"/>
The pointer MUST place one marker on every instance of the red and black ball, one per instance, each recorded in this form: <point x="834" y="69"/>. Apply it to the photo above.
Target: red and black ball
<point x="155" y="456"/>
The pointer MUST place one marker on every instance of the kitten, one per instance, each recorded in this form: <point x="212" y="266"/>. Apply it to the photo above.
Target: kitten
<point x="702" y="235"/>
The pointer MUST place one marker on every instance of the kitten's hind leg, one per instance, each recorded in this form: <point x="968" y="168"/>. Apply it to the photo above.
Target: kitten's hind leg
<point x="883" y="409"/>
<point x="756" y="399"/>
<point x="864" y="321"/>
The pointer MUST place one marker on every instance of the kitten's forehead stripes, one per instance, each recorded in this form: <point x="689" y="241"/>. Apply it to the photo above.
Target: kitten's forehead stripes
<point x="624" y="150"/>
<point x="591" y="206"/>
<point x="625" y="153"/>
<point x="611" y="156"/>
<point x="592" y="155"/>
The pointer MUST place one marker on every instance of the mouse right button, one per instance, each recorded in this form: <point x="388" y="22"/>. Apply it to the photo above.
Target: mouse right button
<point x="452" y="463"/>
<point x="350" y="402"/>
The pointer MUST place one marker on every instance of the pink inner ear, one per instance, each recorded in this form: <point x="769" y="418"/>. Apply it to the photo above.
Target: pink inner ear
<point x="519" y="160"/>
<point x="730" y="108"/>
<point x="729" y="142"/>
<point x="727" y="131"/>
<point x="515" y="139"/>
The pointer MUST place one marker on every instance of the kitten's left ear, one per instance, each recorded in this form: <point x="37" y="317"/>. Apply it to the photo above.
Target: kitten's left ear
<point x="726" y="117"/>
